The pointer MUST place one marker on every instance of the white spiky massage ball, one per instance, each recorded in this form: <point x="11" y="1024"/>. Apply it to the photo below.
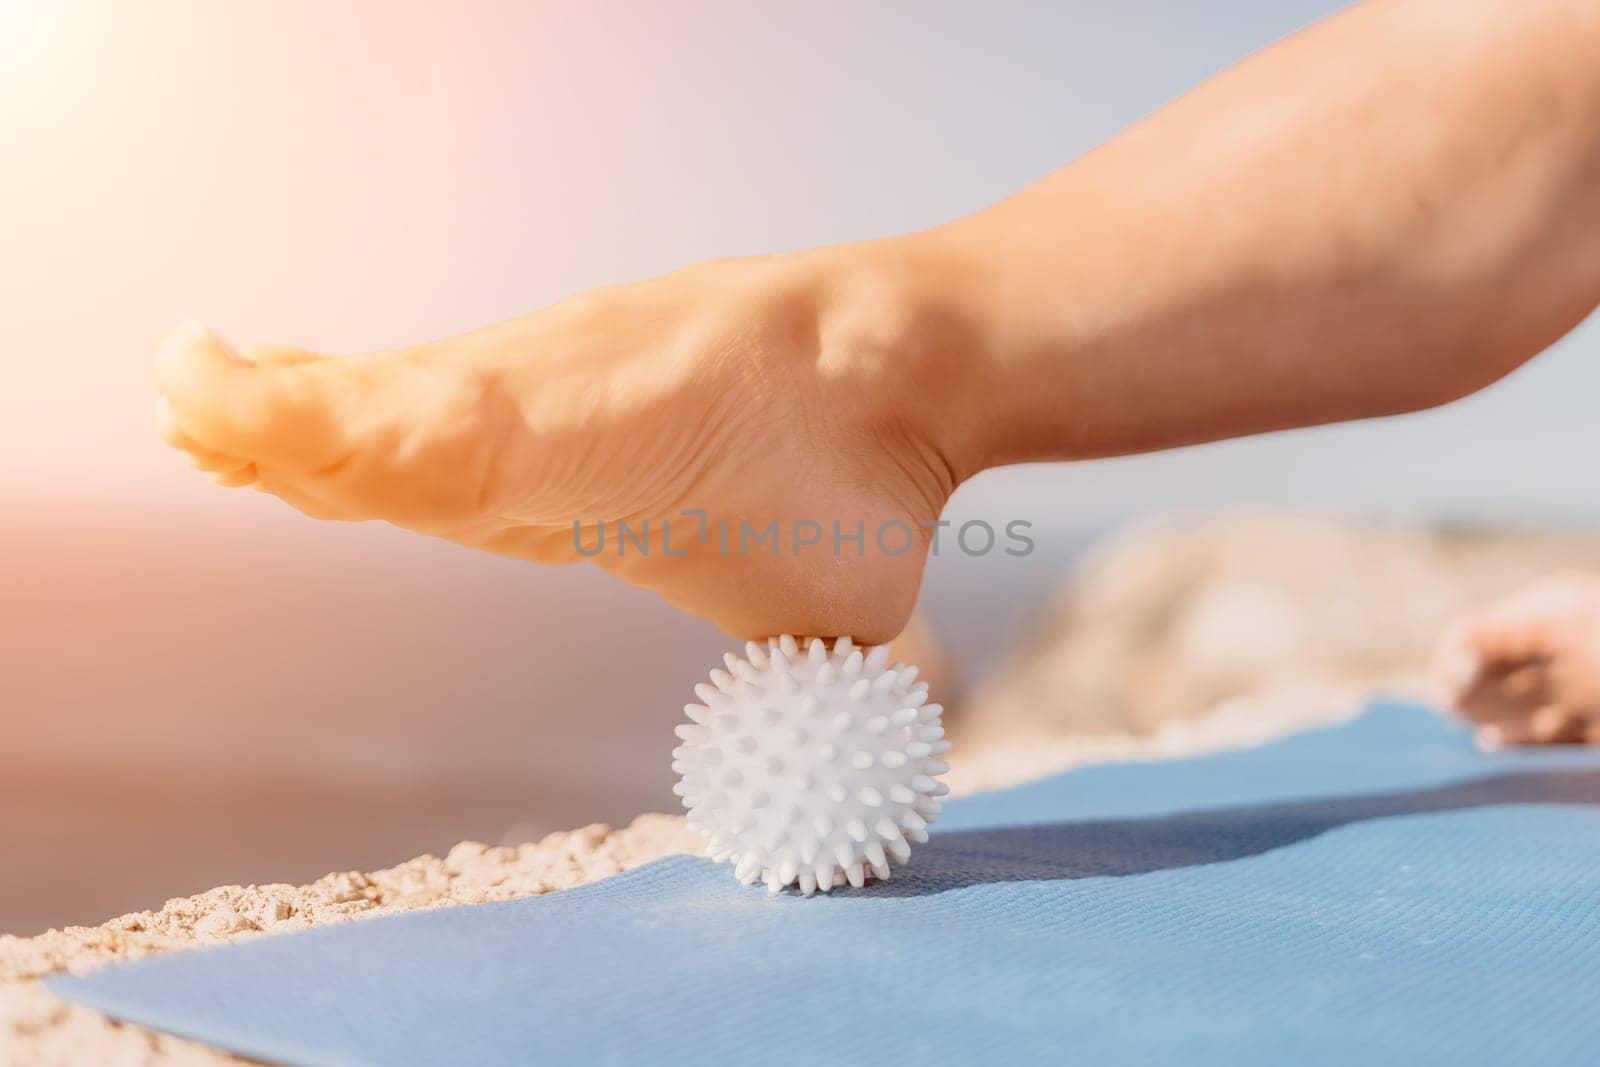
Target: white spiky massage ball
<point x="811" y="767"/>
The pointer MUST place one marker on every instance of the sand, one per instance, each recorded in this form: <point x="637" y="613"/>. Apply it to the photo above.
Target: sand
<point x="1170" y="619"/>
<point x="38" y="1029"/>
<point x="1170" y="643"/>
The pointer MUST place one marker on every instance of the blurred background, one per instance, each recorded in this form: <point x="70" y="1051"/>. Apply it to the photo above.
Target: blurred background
<point x="200" y="687"/>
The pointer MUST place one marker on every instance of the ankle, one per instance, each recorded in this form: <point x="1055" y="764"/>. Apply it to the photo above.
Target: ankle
<point x="896" y="341"/>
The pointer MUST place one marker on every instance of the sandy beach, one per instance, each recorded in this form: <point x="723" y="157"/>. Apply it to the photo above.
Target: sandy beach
<point x="1167" y="620"/>
<point x="39" y="1030"/>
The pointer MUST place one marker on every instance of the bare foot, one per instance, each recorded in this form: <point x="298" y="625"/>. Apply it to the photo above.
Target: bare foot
<point x="1527" y="669"/>
<point x="756" y="391"/>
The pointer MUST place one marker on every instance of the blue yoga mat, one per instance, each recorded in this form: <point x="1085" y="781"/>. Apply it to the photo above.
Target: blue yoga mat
<point x="1376" y="892"/>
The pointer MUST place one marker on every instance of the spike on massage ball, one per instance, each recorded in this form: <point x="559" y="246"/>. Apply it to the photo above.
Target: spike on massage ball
<point x="809" y="765"/>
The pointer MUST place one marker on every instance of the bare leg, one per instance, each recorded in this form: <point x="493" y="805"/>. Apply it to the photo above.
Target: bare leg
<point x="1384" y="212"/>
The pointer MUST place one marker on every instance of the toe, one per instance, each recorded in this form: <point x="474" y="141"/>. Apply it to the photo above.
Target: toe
<point x="1505" y="697"/>
<point x="203" y="458"/>
<point x="216" y="463"/>
<point x="1498" y="643"/>
<point x="235" y="479"/>
<point x="1549" y="725"/>
<point x="275" y="412"/>
<point x="1555" y="725"/>
<point x="292" y="493"/>
<point x="171" y="432"/>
